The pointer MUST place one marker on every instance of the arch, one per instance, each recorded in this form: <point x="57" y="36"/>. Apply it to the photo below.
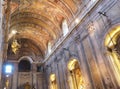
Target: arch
<point x="26" y="58"/>
<point x="25" y="64"/>
<point x="111" y="44"/>
<point x="53" y="83"/>
<point x="112" y="36"/>
<point x="75" y="77"/>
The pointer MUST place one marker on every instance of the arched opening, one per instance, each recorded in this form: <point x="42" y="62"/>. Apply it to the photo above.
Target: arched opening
<point x="112" y="44"/>
<point x="24" y="66"/>
<point x="49" y="47"/>
<point x="75" y="77"/>
<point x="40" y="69"/>
<point x="65" y="27"/>
<point x="53" y="84"/>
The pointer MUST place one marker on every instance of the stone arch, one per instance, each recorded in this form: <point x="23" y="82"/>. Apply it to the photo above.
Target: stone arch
<point x="26" y="58"/>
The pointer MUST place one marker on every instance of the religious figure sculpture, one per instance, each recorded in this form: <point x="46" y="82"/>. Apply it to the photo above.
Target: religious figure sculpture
<point x="7" y="83"/>
<point x="27" y="86"/>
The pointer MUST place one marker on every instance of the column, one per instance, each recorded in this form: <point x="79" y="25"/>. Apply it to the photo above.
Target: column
<point x="84" y="65"/>
<point x="15" y="76"/>
<point x="34" y="73"/>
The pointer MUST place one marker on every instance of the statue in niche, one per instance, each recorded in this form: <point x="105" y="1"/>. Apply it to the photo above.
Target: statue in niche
<point x="79" y="78"/>
<point x="27" y="86"/>
<point x="7" y="83"/>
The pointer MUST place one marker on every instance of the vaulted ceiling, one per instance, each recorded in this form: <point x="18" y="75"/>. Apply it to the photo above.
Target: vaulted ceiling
<point x="37" y="23"/>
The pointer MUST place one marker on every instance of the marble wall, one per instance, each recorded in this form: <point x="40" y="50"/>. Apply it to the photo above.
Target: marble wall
<point x="86" y="44"/>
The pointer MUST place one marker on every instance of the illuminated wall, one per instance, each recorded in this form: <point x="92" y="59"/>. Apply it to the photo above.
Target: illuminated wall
<point x="89" y="43"/>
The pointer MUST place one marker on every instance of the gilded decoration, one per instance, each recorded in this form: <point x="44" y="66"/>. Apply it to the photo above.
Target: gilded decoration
<point x="15" y="46"/>
<point x="118" y="46"/>
<point x="111" y="43"/>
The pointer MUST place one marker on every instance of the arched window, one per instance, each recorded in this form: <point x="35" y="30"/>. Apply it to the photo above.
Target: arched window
<point x="112" y="44"/>
<point x="64" y="27"/>
<point x="40" y="69"/>
<point x="49" y="47"/>
<point x="53" y="84"/>
<point x="24" y="66"/>
<point x="75" y="77"/>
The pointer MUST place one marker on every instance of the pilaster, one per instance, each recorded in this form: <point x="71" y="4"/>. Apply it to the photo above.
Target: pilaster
<point x="34" y="73"/>
<point x="15" y="76"/>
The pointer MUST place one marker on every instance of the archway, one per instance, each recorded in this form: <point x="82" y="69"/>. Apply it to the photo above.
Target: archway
<point x="24" y="66"/>
<point x="53" y="84"/>
<point x="75" y="77"/>
<point x="25" y="75"/>
<point x="112" y="44"/>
